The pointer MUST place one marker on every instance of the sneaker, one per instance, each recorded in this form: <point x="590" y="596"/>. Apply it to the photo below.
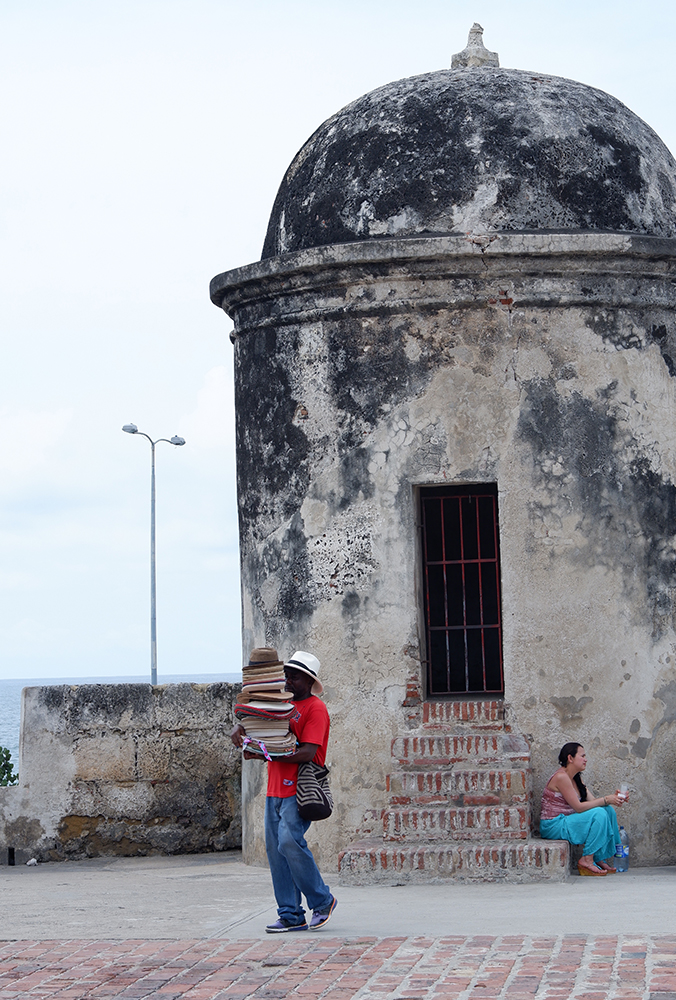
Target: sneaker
<point x="321" y="917"/>
<point x="282" y="926"/>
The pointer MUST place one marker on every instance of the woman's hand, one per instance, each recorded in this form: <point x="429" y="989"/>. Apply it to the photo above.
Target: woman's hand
<point x="614" y="800"/>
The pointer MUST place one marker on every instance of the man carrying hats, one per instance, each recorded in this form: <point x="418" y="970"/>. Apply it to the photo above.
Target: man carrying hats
<point x="292" y="866"/>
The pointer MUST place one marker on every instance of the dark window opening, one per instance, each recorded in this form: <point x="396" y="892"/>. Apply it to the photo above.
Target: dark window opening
<point x="461" y="583"/>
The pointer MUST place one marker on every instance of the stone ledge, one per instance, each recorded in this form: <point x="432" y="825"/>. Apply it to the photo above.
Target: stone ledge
<point x="371" y="862"/>
<point x="227" y="288"/>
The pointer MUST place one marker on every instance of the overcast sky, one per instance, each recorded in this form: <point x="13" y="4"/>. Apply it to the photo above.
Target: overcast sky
<point x="142" y="146"/>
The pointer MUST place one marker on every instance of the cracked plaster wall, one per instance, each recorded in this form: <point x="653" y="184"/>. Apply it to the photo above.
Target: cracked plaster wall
<point x="124" y="769"/>
<point x="542" y="363"/>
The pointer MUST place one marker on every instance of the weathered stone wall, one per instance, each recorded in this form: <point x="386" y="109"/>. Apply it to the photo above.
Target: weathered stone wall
<point x="124" y="769"/>
<point x="544" y="363"/>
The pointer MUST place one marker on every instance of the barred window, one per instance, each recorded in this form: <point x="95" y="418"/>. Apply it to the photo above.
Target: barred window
<point x="461" y="584"/>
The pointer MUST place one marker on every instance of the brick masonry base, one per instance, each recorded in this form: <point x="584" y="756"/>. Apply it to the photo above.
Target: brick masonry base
<point x="459" y="805"/>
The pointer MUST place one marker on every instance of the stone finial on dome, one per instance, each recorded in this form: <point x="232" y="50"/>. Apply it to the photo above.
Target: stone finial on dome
<point x="475" y="53"/>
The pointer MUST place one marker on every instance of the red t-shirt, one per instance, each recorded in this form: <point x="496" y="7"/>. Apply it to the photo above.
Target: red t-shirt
<point x="310" y="724"/>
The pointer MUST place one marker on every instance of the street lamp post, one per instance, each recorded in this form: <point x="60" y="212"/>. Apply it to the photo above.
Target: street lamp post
<point x="175" y="440"/>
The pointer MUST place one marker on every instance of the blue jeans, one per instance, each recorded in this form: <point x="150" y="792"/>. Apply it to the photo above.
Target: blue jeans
<point x="292" y="866"/>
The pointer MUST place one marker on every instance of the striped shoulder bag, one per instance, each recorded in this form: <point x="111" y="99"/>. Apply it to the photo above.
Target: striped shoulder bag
<point x="313" y="794"/>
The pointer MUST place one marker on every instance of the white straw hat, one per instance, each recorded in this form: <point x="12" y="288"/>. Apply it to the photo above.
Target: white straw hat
<point x="308" y="664"/>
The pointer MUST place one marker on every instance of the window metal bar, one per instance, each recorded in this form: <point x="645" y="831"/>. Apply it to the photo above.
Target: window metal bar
<point x="464" y="591"/>
<point x="459" y="562"/>
<point x="497" y="589"/>
<point x="427" y="592"/>
<point x="481" y="598"/>
<point x="443" y="556"/>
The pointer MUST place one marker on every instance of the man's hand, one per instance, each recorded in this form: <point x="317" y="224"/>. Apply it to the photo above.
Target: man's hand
<point x="237" y="735"/>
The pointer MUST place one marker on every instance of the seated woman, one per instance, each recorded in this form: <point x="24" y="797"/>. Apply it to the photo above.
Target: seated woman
<point x="568" y="813"/>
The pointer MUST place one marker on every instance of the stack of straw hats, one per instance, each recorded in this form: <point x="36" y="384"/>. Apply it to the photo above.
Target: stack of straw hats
<point x="264" y="707"/>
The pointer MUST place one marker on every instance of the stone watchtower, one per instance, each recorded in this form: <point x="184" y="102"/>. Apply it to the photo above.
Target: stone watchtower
<point x="456" y="462"/>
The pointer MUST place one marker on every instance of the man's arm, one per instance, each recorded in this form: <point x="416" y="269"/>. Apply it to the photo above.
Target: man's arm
<point x="304" y="753"/>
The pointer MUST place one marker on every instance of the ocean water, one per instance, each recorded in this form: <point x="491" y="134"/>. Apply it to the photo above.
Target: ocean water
<point x="10" y="698"/>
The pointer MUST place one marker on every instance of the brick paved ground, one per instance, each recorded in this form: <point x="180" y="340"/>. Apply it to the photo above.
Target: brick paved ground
<point x="315" y="965"/>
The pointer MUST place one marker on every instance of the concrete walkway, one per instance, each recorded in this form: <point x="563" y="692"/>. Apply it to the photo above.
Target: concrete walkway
<point x="216" y="895"/>
<point x="193" y="927"/>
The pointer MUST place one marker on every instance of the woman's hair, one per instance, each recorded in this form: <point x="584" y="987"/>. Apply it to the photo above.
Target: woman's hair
<point x="570" y="750"/>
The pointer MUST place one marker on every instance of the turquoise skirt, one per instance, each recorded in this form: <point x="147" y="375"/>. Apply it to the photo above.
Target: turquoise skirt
<point x="596" y="828"/>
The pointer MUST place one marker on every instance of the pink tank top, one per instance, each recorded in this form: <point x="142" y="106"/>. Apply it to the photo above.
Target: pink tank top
<point x="554" y="804"/>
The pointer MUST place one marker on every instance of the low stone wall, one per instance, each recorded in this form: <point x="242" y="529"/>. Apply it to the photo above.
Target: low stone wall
<point x="124" y="769"/>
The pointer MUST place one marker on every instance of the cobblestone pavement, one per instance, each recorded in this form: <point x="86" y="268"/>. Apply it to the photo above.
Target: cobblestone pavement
<point x="315" y="966"/>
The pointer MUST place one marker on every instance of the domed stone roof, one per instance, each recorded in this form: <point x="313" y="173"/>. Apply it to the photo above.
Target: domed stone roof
<point x="475" y="150"/>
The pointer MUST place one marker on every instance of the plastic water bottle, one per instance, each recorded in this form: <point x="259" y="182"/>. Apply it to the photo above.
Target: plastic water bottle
<point x="621" y="858"/>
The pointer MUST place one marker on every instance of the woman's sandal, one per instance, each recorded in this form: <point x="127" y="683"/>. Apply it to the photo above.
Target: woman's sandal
<point x="586" y="870"/>
<point x="608" y="869"/>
